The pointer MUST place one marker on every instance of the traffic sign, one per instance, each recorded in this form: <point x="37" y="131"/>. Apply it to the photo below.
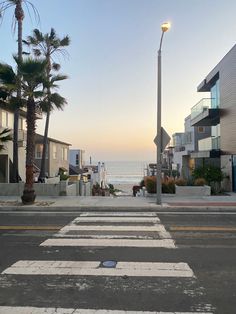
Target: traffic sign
<point x="165" y="138"/>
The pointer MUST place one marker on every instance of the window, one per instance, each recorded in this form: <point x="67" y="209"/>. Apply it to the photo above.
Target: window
<point x="215" y="95"/>
<point x="7" y="119"/>
<point x="64" y="152"/>
<point x="4" y="119"/>
<point x="54" y="151"/>
<point x="201" y="129"/>
<point x="22" y="124"/>
<point x="38" y="151"/>
<point x="77" y="159"/>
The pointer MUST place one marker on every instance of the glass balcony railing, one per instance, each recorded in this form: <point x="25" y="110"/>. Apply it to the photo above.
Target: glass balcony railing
<point x="209" y="143"/>
<point x="200" y="107"/>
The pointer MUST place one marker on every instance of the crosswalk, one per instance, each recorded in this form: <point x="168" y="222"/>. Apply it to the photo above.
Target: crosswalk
<point x="83" y="282"/>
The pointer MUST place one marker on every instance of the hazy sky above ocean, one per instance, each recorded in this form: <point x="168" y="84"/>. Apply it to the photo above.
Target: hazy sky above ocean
<point x="111" y="91"/>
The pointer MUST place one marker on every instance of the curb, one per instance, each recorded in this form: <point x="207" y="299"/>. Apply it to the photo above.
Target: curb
<point x="151" y="208"/>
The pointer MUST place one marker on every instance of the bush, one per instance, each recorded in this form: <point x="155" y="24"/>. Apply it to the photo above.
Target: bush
<point x="142" y="183"/>
<point x="150" y="184"/>
<point x="209" y="173"/>
<point x="63" y="177"/>
<point x="180" y="182"/>
<point x="200" y="182"/>
<point x="168" y="186"/>
<point x="212" y="175"/>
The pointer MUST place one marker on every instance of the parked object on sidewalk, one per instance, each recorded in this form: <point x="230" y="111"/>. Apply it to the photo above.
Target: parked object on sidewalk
<point x="136" y="189"/>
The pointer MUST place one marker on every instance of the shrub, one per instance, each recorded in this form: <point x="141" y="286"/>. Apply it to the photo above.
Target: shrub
<point x="168" y="186"/>
<point x="180" y="182"/>
<point x="142" y="183"/>
<point x="209" y="173"/>
<point x="63" y="177"/>
<point x="150" y="184"/>
<point x="200" y="182"/>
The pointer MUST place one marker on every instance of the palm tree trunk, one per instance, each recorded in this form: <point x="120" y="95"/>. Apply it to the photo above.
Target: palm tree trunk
<point x="45" y="137"/>
<point x="28" y="196"/>
<point x="19" y="14"/>
<point x="45" y="142"/>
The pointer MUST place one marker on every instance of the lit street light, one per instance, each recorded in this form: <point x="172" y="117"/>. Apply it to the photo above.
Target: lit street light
<point x="165" y="27"/>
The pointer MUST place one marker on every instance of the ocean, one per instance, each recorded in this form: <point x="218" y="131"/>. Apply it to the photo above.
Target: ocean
<point x="125" y="172"/>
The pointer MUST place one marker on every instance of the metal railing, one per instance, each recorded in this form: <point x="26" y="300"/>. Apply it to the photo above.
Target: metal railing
<point x="201" y="106"/>
<point x="209" y="143"/>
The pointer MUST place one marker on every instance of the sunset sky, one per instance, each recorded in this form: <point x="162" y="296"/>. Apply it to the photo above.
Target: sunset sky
<point x="111" y="90"/>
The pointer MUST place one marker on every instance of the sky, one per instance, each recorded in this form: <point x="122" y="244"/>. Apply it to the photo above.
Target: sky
<point x="112" y="67"/>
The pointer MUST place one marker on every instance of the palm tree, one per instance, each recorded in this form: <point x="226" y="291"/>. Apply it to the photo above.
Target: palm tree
<point x="48" y="45"/>
<point x="19" y="17"/>
<point x="32" y="79"/>
<point x="33" y="76"/>
<point x="5" y="136"/>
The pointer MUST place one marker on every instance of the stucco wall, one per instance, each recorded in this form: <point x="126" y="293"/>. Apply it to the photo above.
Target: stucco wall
<point x="55" y="164"/>
<point x="226" y="167"/>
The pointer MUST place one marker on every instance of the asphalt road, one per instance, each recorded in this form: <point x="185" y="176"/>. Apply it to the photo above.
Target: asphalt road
<point x="204" y="242"/>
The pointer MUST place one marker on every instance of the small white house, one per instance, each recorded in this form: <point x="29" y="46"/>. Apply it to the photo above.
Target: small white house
<point x="77" y="158"/>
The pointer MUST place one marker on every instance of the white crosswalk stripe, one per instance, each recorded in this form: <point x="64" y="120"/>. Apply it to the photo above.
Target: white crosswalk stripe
<point x="87" y="268"/>
<point x="37" y="310"/>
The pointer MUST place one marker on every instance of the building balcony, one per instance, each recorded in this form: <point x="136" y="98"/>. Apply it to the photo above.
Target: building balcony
<point x="202" y="114"/>
<point x="209" y="143"/>
<point x="208" y="148"/>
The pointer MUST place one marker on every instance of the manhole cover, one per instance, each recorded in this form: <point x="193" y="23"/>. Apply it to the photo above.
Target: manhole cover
<point x="108" y="264"/>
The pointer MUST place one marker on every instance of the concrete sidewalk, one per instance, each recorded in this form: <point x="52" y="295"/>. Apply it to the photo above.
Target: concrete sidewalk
<point x="169" y="202"/>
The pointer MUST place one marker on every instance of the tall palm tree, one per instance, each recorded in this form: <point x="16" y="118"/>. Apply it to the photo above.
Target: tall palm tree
<point x="32" y="79"/>
<point x="48" y="45"/>
<point x="5" y="136"/>
<point x="19" y="17"/>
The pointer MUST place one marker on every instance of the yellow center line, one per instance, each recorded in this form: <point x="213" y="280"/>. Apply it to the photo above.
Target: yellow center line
<point x="30" y="227"/>
<point x="203" y="228"/>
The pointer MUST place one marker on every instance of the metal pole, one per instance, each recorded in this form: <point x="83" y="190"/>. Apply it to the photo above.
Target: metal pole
<point x="158" y="175"/>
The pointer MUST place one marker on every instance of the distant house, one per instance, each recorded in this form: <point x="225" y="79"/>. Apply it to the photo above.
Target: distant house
<point x="77" y="158"/>
<point x="97" y="174"/>
<point x="6" y="155"/>
<point x="57" y="156"/>
<point x="75" y="174"/>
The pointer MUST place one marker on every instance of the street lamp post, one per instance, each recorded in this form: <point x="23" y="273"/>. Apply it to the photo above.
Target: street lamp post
<point x="165" y="27"/>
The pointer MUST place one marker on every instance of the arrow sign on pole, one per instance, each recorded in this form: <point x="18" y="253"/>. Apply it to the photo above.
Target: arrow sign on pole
<point x="165" y="138"/>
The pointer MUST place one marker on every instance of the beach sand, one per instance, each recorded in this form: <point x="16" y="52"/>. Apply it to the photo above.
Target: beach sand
<point x="126" y="188"/>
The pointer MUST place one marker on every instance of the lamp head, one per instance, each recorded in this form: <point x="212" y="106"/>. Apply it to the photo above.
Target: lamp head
<point x="165" y="26"/>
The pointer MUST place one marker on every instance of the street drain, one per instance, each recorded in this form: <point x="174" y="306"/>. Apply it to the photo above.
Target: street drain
<point x="108" y="264"/>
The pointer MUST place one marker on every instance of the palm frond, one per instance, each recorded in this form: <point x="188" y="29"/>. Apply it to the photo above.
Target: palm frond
<point x="52" y="36"/>
<point x="37" y="52"/>
<point x="58" y="101"/>
<point x="3" y="94"/>
<point x="56" y="66"/>
<point x="65" y="41"/>
<point x="5" y="136"/>
<point x="7" y="75"/>
<point x="58" y="77"/>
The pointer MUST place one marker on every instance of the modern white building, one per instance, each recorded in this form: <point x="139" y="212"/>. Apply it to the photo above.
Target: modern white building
<point x="185" y="144"/>
<point x="77" y="158"/>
